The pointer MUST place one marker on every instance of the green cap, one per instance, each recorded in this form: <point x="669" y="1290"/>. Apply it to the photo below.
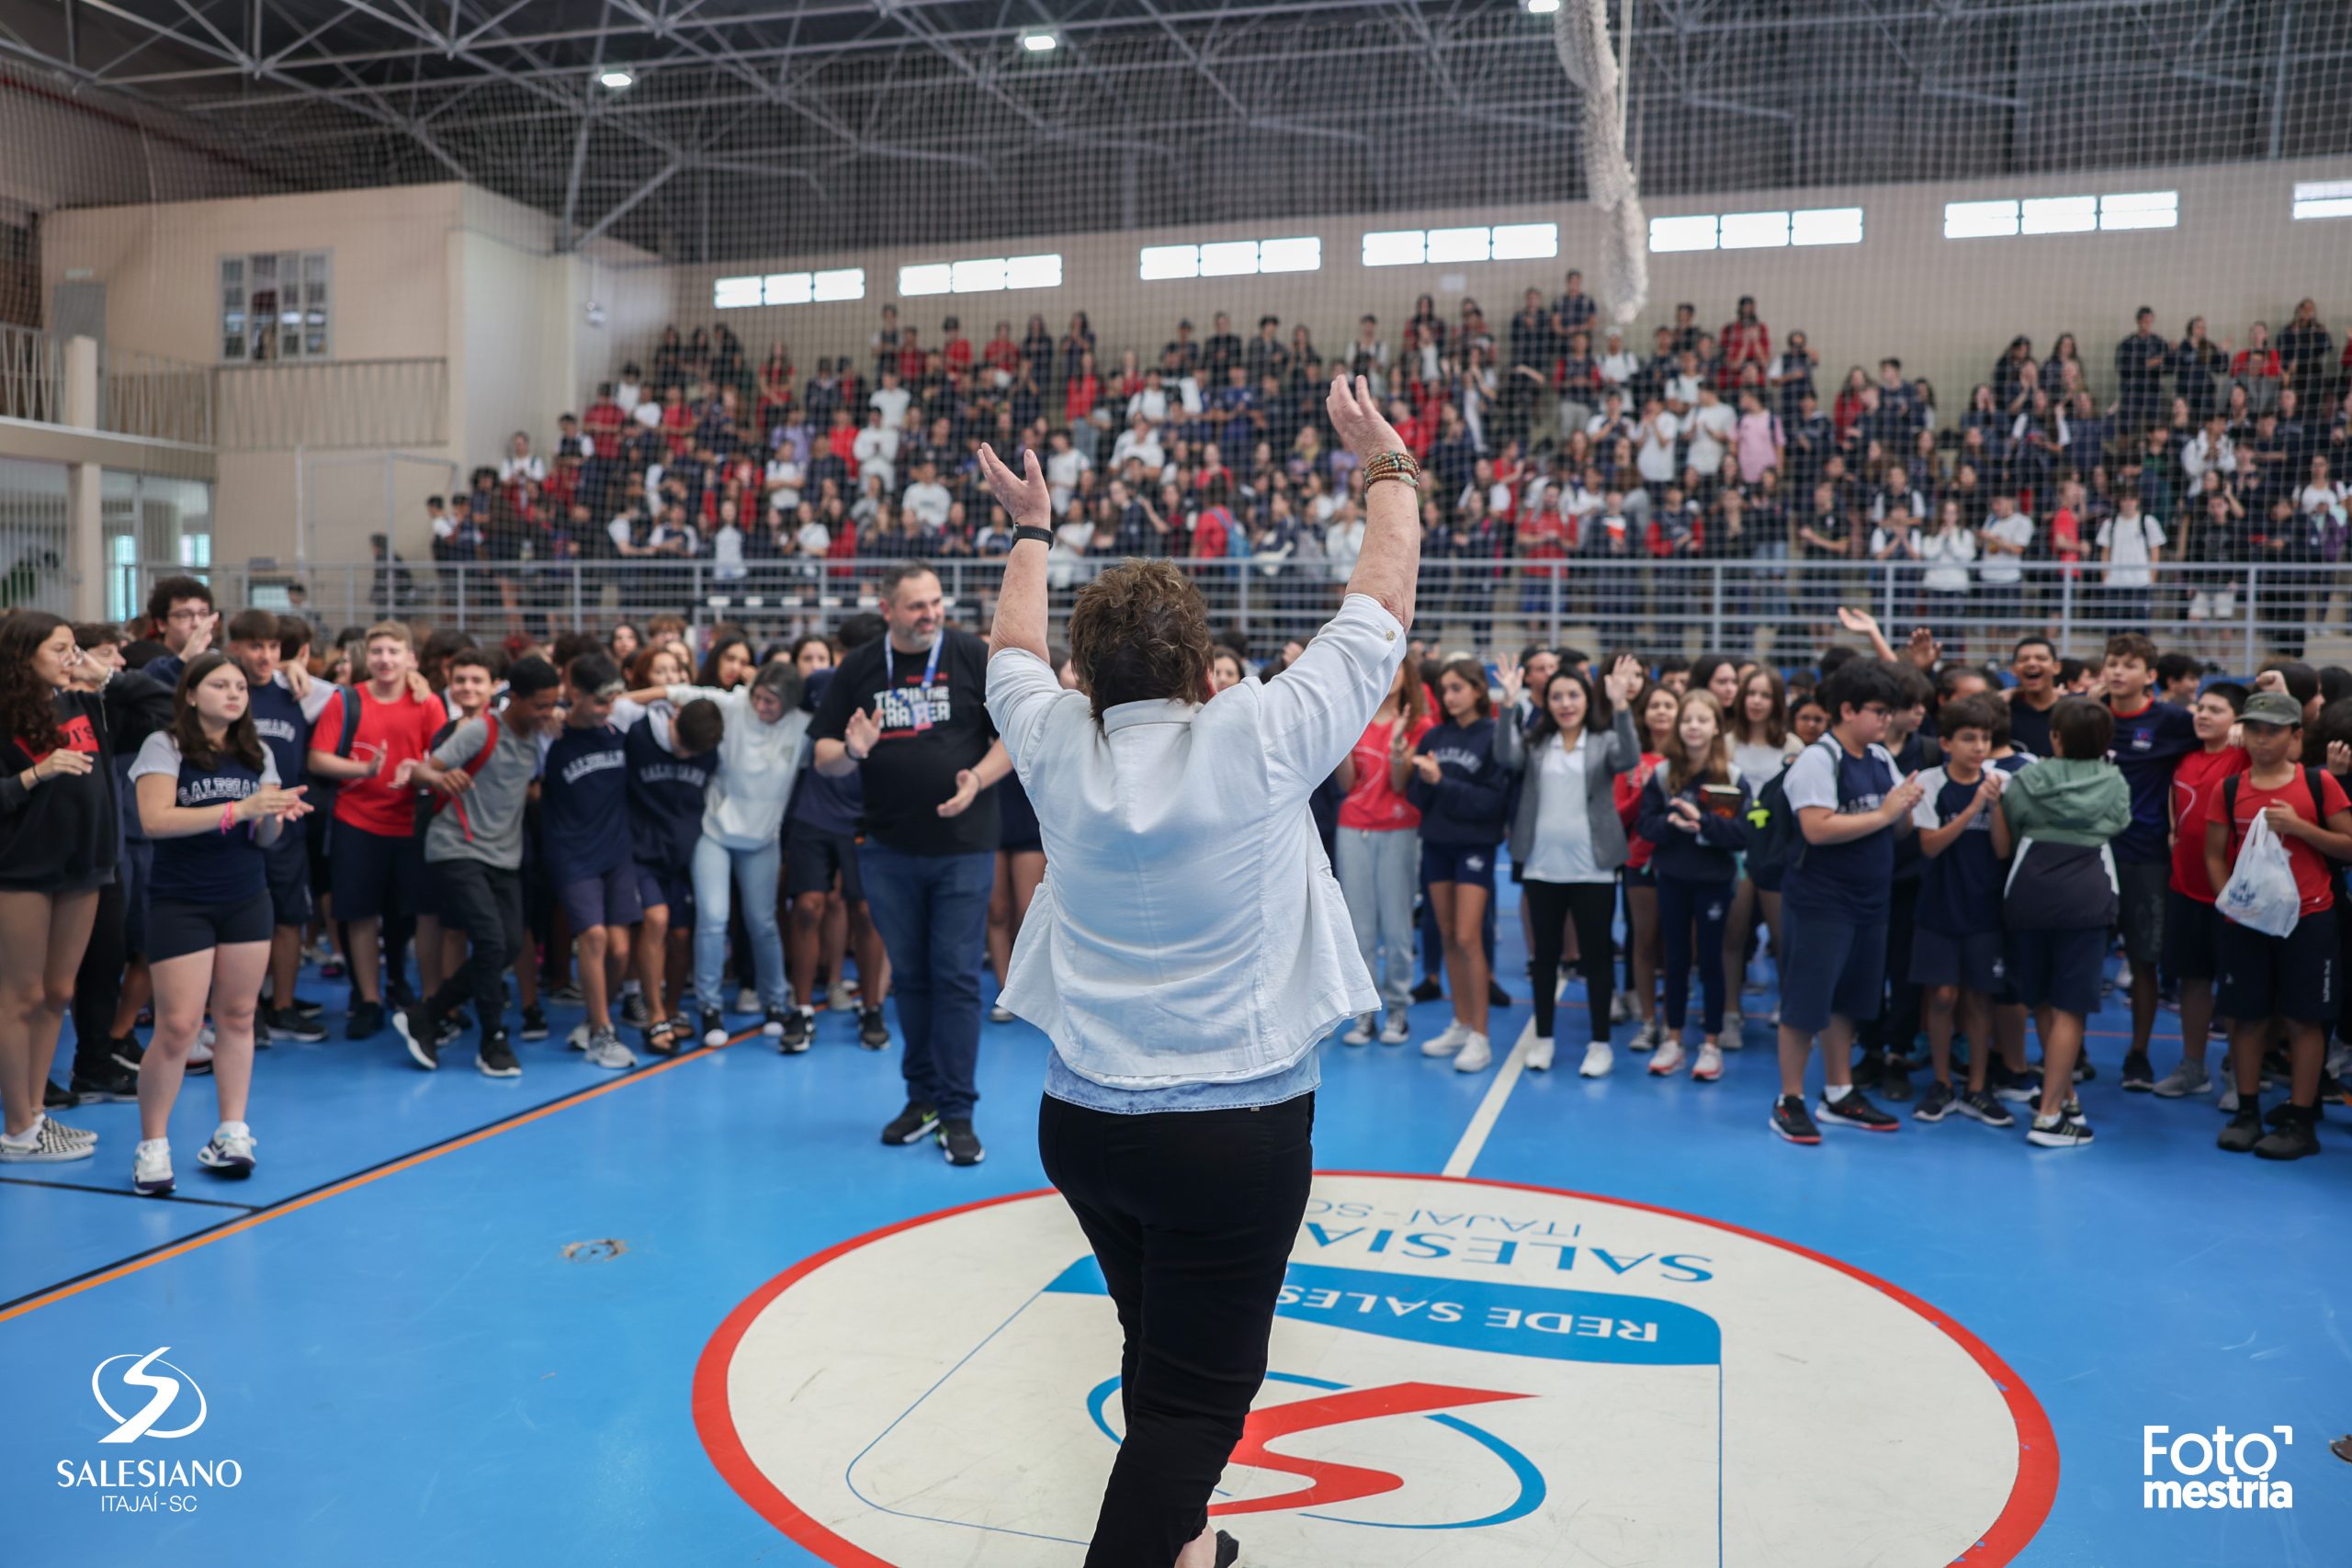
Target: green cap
<point x="2272" y="707"/>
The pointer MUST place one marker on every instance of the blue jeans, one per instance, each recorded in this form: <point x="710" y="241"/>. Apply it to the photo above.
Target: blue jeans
<point x="755" y="870"/>
<point x="932" y="914"/>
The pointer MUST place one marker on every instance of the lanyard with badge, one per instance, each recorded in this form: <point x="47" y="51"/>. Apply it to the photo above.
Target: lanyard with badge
<point x="920" y="702"/>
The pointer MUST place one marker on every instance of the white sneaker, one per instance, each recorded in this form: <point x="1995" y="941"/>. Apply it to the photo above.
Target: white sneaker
<point x="1455" y="1036"/>
<point x="1361" y="1034"/>
<point x="1711" y="1063"/>
<point x="1395" y="1028"/>
<point x="1475" y="1055"/>
<point x="1539" y="1054"/>
<point x="1000" y="1014"/>
<point x="1732" y="1023"/>
<point x="151" y="1169"/>
<point x="1597" y="1059"/>
<point x="206" y="1039"/>
<point x="840" y="997"/>
<point x="231" y="1152"/>
<point x="200" y="1055"/>
<point x="747" y="1000"/>
<point x="1646" y="1037"/>
<point x="605" y="1050"/>
<point x="1668" y="1060"/>
<point x="578" y="1039"/>
<point x="1621" y="1008"/>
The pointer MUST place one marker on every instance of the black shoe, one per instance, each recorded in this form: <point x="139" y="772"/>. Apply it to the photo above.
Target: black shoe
<point x="910" y="1124"/>
<point x="873" y="1030"/>
<point x="1851" y="1109"/>
<point x="307" y="1009"/>
<point x="1496" y="996"/>
<point x="1893" y="1082"/>
<point x="496" y="1058"/>
<point x="285" y="1024"/>
<point x="1427" y="991"/>
<point x="534" y="1023"/>
<point x="1979" y="1105"/>
<point x="452" y="1028"/>
<point x="713" y="1027"/>
<point x="2084" y="1071"/>
<point x="2069" y="1132"/>
<point x="106" y="1083"/>
<point x="127" y="1053"/>
<point x="961" y="1144"/>
<point x="2295" y="1138"/>
<point x="398" y="995"/>
<point x="798" y="1027"/>
<point x="55" y="1099"/>
<point x="633" y="1012"/>
<point x="771" y="1021"/>
<point x="1869" y="1069"/>
<point x="1228" y="1550"/>
<point x="1790" y="1121"/>
<point x="2245" y="1129"/>
<point x="662" y="1038"/>
<point x="2139" y="1072"/>
<point x="367" y="1022"/>
<point x="421" y="1035"/>
<point x="2280" y="1114"/>
<point x="1934" y="1105"/>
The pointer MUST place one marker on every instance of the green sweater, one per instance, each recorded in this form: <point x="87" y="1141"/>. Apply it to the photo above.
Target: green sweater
<point x="2063" y="801"/>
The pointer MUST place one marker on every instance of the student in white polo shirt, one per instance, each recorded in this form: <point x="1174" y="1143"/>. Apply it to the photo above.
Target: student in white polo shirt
<point x="1184" y="968"/>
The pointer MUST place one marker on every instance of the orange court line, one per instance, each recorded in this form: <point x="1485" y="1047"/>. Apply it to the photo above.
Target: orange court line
<point x="351" y="1183"/>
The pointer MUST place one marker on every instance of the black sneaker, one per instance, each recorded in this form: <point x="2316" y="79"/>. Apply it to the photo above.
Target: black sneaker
<point x="1935" y="1103"/>
<point x="452" y="1028"/>
<point x="1894" y="1082"/>
<point x="2084" y="1071"/>
<point x="1868" y="1070"/>
<point x="421" y="1035"/>
<point x="910" y="1124"/>
<point x="2139" y="1072"/>
<point x="1427" y="991"/>
<point x="398" y="993"/>
<point x="2020" y="1088"/>
<point x="307" y="1009"/>
<point x="633" y="1013"/>
<point x="1978" y="1105"/>
<point x="2295" y="1138"/>
<point x="961" y="1145"/>
<point x="2245" y="1129"/>
<point x="534" y="1023"/>
<point x="2069" y="1132"/>
<point x="1496" y="996"/>
<point x="771" y="1021"/>
<point x="55" y="1099"/>
<point x="367" y="1022"/>
<point x="285" y="1024"/>
<point x="127" y="1053"/>
<point x="873" y="1030"/>
<point x="2280" y="1114"/>
<point x="798" y="1028"/>
<point x="1790" y="1121"/>
<point x="1852" y="1109"/>
<point x="496" y="1058"/>
<point x="106" y="1083"/>
<point x="713" y="1027"/>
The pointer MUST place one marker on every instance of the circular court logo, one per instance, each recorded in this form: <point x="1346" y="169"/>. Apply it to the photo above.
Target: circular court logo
<point x="1537" y="1376"/>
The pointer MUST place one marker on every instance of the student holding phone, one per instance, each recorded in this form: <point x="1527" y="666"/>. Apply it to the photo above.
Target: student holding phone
<point x="1692" y="810"/>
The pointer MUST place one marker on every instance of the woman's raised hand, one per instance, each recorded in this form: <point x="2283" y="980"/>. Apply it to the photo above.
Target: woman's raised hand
<point x="1357" y="420"/>
<point x="1624" y="680"/>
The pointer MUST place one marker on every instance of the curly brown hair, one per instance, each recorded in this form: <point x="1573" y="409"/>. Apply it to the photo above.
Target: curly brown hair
<point x="1141" y="632"/>
<point x="28" y="707"/>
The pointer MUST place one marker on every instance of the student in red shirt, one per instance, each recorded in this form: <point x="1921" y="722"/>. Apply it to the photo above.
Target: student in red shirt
<point x="1377" y="854"/>
<point x="2293" y="978"/>
<point x="957" y="355"/>
<point x="376" y="862"/>
<point x="2192" y="926"/>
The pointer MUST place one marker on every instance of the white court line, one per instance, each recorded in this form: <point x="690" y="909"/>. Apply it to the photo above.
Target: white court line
<point x="1490" y="1110"/>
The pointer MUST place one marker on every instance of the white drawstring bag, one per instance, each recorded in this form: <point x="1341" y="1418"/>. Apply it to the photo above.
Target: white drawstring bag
<point x="2261" y="894"/>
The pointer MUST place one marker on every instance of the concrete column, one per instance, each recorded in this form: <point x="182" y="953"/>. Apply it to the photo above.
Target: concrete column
<point x="86" y="556"/>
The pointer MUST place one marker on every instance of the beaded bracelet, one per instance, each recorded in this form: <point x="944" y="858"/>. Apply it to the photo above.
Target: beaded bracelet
<point x="1399" y="466"/>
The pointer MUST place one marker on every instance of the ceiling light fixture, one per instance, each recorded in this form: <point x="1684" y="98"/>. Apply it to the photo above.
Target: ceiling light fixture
<point x="615" y="79"/>
<point x="1038" y="44"/>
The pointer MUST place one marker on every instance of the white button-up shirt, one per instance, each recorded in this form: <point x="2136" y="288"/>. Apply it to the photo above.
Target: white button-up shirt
<point x="1188" y="928"/>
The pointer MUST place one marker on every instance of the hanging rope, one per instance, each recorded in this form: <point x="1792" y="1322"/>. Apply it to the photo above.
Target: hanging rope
<point x="1580" y="34"/>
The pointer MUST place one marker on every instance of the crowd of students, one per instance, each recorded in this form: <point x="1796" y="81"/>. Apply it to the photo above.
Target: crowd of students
<point x="1923" y="847"/>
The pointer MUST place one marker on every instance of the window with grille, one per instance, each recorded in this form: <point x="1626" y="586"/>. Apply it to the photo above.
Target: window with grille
<point x="274" y="306"/>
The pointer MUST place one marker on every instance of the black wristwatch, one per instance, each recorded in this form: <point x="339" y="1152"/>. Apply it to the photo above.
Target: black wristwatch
<point x="1043" y="535"/>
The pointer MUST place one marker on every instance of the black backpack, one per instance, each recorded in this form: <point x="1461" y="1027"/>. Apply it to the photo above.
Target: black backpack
<point x="1775" y="843"/>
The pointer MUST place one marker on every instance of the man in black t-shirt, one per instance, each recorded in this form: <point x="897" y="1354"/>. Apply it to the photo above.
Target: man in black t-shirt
<point x="906" y="713"/>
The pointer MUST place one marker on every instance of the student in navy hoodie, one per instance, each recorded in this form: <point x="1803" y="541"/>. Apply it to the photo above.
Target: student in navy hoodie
<point x="584" y="828"/>
<point x="1463" y="796"/>
<point x="672" y="754"/>
<point x="1692" y="810"/>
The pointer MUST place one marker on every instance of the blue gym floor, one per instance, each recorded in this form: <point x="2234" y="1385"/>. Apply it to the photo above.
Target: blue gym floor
<point x="397" y="1351"/>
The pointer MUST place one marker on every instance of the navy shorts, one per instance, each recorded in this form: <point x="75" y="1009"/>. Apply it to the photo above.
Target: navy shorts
<point x="2062" y="969"/>
<point x="658" y="890"/>
<point x="2193" y="936"/>
<point x="375" y="872"/>
<point x="2298" y="976"/>
<point x="812" y="858"/>
<point x="1973" y="962"/>
<point x="1469" y="865"/>
<point x="607" y="898"/>
<point x="2144" y="885"/>
<point x="1836" y="967"/>
<point x="288" y="865"/>
<point x="177" y="928"/>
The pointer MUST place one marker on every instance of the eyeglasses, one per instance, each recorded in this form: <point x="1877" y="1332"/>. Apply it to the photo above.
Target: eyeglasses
<point x="188" y="617"/>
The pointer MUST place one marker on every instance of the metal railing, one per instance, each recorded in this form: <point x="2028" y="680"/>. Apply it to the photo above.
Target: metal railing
<point x="32" y="376"/>
<point x="146" y="394"/>
<point x="334" y="403"/>
<point x="2234" y="615"/>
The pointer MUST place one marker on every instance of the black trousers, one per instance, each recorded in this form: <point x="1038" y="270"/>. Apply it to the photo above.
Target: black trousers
<point x="97" y="985"/>
<point x="486" y="903"/>
<point x="1551" y="906"/>
<point x="1192" y="1214"/>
